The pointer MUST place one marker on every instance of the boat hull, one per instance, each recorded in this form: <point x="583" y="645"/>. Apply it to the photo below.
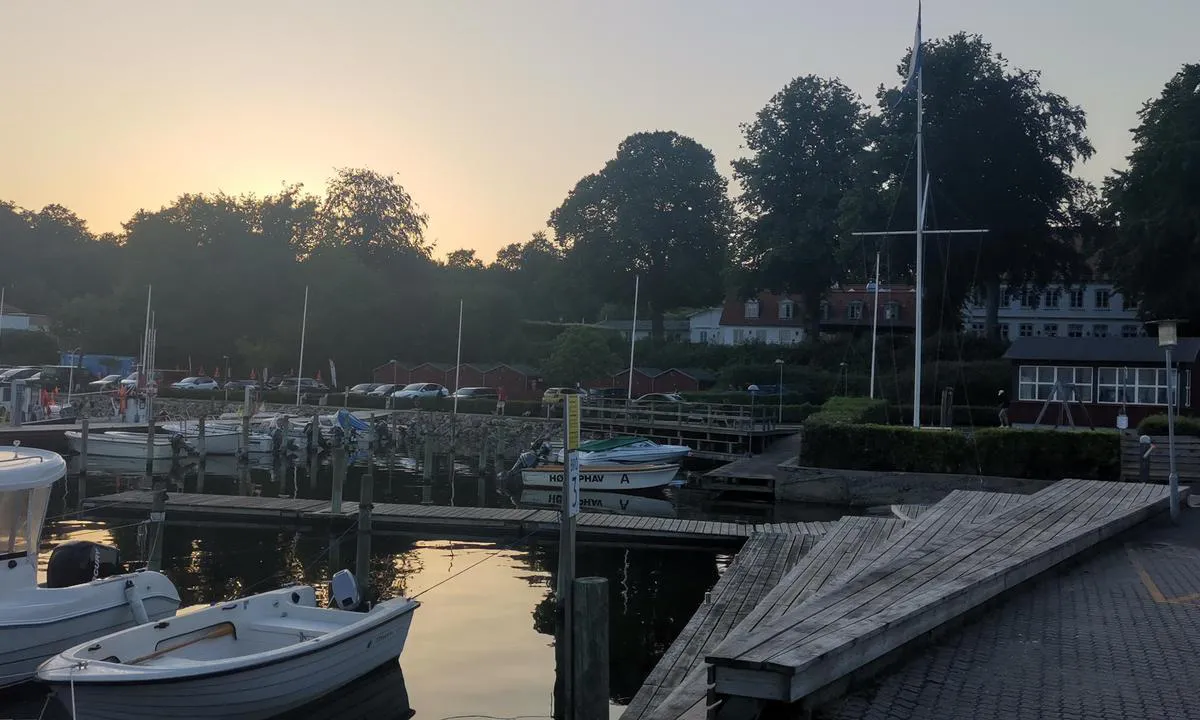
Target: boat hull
<point x="120" y="447"/>
<point x="610" y="478"/>
<point x="257" y="691"/>
<point x="632" y="456"/>
<point x="592" y="501"/>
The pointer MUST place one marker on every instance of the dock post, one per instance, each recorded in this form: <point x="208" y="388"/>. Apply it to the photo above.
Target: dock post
<point x="590" y="645"/>
<point x="338" y="464"/>
<point x="201" y="442"/>
<point x="428" y="467"/>
<point x="314" y="435"/>
<point x="158" y="517"/>
<point x="83" y="443"/>
<point x="149" y="433"/>
<point x="244" y="448"/>
<point x="566" y="690"/>
<point x="365" y="494"/>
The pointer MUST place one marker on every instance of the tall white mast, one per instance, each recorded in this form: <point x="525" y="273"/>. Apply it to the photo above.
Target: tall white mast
<point x="458" y="358"/>
<point x="633" y="332"/>
<point x="919" y="320"/>
<point x="875" y="326"/>
<point x="303" y="330"/>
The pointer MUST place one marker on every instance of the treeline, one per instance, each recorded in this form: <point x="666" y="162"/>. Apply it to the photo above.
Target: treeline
<point x="229" y="272"/>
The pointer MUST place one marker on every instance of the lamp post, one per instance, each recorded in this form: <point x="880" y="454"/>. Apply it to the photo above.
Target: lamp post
<point x="779" y="362"/>
<point x="753" y="390"/>
<point x="226" y="367"/>
<point x="1168" y="338"/>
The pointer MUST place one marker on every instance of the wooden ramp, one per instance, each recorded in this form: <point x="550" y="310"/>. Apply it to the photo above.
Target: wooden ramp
<point x="451" y="521"/>
<point x="851" y="544"/>
<point x="917" y="584"/>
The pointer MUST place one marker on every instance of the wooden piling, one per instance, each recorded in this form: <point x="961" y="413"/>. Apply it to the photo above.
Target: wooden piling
<point x="245" y="440"/>
<point x="428" y="466"/>
<point x="590" y="648"/>
<point x="338" y="464"/>
<point x="201" y="441"/>
<point x="158" y="517"/>
<point x="83" y="445"/>
<point x="365" y="495"/>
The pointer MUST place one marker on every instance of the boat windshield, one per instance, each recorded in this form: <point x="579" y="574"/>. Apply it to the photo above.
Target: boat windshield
<point x="21" y="515"/>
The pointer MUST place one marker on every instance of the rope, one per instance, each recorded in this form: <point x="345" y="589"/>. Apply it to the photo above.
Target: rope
<point x="489" y="556"/>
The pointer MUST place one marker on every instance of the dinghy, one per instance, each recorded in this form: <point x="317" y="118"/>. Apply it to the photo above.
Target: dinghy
<point x="241" y="660"/>
<point x="124" y="444"/>
<point x="220" y="438"/>
<point x="603" y="477"/>
<point x="85" y="594"/>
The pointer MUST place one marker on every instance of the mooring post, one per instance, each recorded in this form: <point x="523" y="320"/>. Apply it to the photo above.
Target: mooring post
<point x="590" y="646"/>
<point x="314" y="434"/>
<point x="365" y="494"/>
<point x="158" y="517"/>
<point x="566" y="689"/>
<point x="428" y="467"/>
<point x="83" y="442"/>
<point x="1145" y="447"/>
<point x="338" y="464"/>
<point x="245" y="440"/>
<point x="149" y="433"/>
<point x="201" y="441"/>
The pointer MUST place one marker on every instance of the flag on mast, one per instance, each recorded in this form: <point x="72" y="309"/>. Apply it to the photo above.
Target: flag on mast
<point x="914" y="61"/>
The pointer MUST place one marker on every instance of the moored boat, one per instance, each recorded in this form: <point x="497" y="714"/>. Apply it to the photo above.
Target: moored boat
<point x="246" y="659"/>
<point x="627" y="449"/>
<point x="603" y="477"/>
<point x="86" y="594"/>
<point x="123" y="443"/>
<point x="220" y="438"/>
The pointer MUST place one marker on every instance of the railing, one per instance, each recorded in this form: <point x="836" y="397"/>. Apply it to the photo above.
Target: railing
<point x="700" y="416"/>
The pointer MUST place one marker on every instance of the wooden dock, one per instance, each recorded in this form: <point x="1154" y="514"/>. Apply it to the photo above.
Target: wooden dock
<point x="447" y="521"/>
<point x="756" y="473"/>
<point x="867" y="587"/>
<point x="714" y="431"/>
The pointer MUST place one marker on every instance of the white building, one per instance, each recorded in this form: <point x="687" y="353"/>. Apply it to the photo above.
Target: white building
<point x="704" y="326"/>
<point x="1089" y="310"/>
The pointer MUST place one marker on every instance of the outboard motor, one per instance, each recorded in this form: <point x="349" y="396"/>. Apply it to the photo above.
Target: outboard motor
<point x="177" y="444"/>
<point x="277" y="440"/>
<point x="80" y="561"/>
<point x="345" y="590"/>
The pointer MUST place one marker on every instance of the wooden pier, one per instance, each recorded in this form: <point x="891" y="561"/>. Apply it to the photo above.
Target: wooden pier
<point x="866" y="589"/>
<point x="718" y="432"/>
<point x="447" y="521"/>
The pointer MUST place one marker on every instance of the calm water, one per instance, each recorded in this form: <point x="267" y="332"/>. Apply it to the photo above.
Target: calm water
<point x="482" y="641"/>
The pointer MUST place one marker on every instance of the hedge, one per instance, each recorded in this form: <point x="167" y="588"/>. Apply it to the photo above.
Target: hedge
<point x="967" y="416"/>
<point x="1157" y="425"/>
<point x="850" y="410"/>
<point x="1005" y="452"/>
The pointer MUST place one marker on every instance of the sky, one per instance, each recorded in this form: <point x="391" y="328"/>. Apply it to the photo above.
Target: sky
<point x="487" y="111"/>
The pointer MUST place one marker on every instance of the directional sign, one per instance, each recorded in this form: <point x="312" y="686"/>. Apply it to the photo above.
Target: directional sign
<point x="571" y="411"/>
<point x="572" y="484"/>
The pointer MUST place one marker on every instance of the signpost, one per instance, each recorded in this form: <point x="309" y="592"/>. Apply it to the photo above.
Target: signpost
<point x="563" y="707"/>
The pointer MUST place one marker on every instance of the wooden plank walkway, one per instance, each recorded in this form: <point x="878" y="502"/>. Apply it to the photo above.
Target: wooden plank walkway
<point x="853" y="543"/>
<point x="909" y="590"/>
<point x="464" y="521"/>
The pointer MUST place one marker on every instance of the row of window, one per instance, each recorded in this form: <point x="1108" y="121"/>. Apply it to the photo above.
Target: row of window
<point x="1108" y="385"/>
<point x="1055" y="298"/>
<point x="854" y="310"/>
<point x="1075" y="330"/>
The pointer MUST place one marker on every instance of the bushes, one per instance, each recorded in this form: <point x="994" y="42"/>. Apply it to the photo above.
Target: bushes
<point x="1005" y="452"/>
<point x="1157" y="425"/>
<point x="968" y="416"/>
<point x="850" y="410"/>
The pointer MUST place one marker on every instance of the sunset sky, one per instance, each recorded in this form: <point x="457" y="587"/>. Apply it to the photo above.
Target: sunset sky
<point x="487" y="111"/>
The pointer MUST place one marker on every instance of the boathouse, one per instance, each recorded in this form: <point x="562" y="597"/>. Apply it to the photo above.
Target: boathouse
<point x="1104" y="376"/>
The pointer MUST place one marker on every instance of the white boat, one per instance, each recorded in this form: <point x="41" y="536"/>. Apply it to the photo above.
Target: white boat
<point x="245" y="659"/>
<point x="220" y="438"/>
<point x="85" y="595"/>
<point x="122" y="444"/>
<point x="593" y="501"/>
<point x="603" y="477"/>
<point x="627" y="449"/>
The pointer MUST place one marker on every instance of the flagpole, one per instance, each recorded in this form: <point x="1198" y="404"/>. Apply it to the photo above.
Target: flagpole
<point x="2" y="289"/>
<point x="146" y="340"/>
<point x="303" y="330"/>
<point x="633" y="332"/>
<point x="919" y="328"/>
<point x="458" y="357"/>
<point x="875" y="325"/>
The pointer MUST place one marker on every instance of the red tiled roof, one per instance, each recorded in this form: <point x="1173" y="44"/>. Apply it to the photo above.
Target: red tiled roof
<point x="733" y="313"/>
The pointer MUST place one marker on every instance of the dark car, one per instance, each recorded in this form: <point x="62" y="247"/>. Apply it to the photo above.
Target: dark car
<point x="307" y="385"/>
<point x="477" y="393"/>
<point x="607" y="393"/>
<point x="242" y="384"/>
<point x="363" y="388"/>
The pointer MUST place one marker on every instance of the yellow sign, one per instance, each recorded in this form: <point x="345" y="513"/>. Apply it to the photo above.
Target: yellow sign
<point x="571" y="408"/>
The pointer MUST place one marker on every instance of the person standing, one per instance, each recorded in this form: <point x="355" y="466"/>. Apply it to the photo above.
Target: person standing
<point x="1002" y="408"/>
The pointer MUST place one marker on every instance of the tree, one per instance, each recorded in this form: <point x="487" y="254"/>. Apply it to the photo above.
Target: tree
<point x="373" y="214"/>
<point x="657" y="210"/>
<point x="580" y="354"/>
<point x="463" y="259"/>
<point x="807" y="146"/>
<point x="1000" y="151"/>
<point x="1156" y="204"/>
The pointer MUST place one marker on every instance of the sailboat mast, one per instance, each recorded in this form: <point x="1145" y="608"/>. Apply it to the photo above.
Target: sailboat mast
<point x="875" y="325"/>
<point x="303" y="330"/>
<point x="633" y="332"/>
<point x="919" y="328"/>
<point x="458" y="357"/>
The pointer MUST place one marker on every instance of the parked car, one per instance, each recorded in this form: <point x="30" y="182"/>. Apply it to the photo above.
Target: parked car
<point x="384" y="390"/>
<point x="134" y="378"/>
<point x="477" y="393"/>
<point x="421" y="390"/>
<point x="18" y="373"/>
<point x="362" y="389"/>
<point x="608" y="393"/>
<point x="241" y="384"/>
<point x="307" y="385"/>
<point x="649" y="398"/>
<point x="197" y="382"/>
<point x="108" y="382"/>
<point x="554" y="395"/>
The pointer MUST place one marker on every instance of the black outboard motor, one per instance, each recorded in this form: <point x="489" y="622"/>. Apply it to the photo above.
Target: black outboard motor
<point x="277" y="439"/>
<point x="79" y="561"/>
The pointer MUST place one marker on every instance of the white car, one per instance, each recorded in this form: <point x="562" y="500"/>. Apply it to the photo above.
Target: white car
<point x="421" y="390"/>
<point x="197" y="383"/>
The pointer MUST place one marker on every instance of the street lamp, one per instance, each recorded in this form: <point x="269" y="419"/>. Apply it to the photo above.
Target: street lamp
<point x="779" y="362"/>
<point x="1168" y="338"/>
<point x="226" y="367"/>
<point x="753" y="390"/>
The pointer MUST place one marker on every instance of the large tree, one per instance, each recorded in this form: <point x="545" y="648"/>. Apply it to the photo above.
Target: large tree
<point x="807" y="146"/>
<point x="1156" y="205"/>
<point x="373" y="214"/>
<point x="657" y="210"/>
<point x="1000" y="151"/>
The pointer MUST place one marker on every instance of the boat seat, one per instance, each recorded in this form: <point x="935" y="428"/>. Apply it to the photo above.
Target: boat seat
<point x="292" y="625"/>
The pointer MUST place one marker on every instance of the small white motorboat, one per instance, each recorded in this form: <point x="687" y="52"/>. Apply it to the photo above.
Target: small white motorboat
<point x="85" y="594"/>
<point x="220" y="437"/>
<point x="250" y="658"/>
<point x="627" y="449"/>
<point x="123" y="443"/>
<point x="603" y="477"/>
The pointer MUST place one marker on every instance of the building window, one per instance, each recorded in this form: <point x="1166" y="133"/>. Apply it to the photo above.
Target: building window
<point x="760" y="335"/>
<point x="1099" y="330"/>
<point x="751" y="308"/>
<point x="787" y="309"/>
<point x="1130" y="331"/>
<point x="1103" y="299"/>
<point x="825" y="310"/>
<point x="1127" y="303"/>
<point x="703" y="336"/>
<point x="1075" y="330"/>
<point x="1029" y="299"/>
<point x="891" y="311"/>
<point x="1004" y="331"/>
<point x="1053" y="298"/>
<point x="1038" y="382"/>
<point x="977" y="328"/>
<point x="1136" y="386"/>
<point x="854" y="310"/>
<point x="1050" y="329"/>
<point x="739" y="335"/>
<point x="1025" y="329"/>
<point x="1076" y="298"/>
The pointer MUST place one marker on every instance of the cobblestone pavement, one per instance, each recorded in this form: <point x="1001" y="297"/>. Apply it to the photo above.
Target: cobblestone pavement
<point x="1115" y="636"/>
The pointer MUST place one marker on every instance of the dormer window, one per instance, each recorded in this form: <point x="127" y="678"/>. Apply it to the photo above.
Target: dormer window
<point x="891" y="311"/>
<point x="855" y="310"/>
<point x="787" y="310"/>
<point x="751" y="309"/>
